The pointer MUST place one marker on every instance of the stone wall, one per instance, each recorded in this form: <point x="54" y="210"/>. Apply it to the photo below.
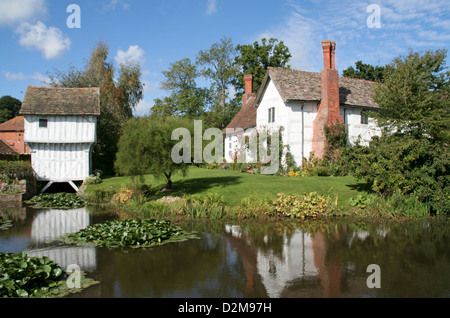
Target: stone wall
<point x="27" y="190"/>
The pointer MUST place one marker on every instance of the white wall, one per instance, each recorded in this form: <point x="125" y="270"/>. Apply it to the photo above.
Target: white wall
<point x="67" y="129"/>
<point x="352" y="119"/>
<point x="60" y="162"/>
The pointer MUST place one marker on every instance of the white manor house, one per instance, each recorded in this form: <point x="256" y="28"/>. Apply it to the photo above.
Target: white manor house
<point x="303" y="103"/>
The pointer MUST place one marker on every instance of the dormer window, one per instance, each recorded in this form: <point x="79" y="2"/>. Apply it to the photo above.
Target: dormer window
<point x="43" y="123"/>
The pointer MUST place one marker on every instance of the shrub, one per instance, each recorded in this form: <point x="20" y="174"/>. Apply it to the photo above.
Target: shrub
<point x="405" y="164"/>
<point x="16" y="169"/>
<point x="302" y="206"/>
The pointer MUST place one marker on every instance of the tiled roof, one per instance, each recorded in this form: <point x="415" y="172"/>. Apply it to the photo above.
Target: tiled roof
<point x="246" y="117"/>
<point x="6" y="149"/>
<point x="15" y="124"/>
<point x="61" y="101"/>
<point x="306" y="86"/>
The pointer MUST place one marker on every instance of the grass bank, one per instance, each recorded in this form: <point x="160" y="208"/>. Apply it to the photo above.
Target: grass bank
<point x="236" y="186"/>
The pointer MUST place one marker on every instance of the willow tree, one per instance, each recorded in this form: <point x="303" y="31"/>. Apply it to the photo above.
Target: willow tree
<point x="146" y="146"/>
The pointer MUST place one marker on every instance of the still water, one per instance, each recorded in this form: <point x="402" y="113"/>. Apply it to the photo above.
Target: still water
<point x="247" y="259"/>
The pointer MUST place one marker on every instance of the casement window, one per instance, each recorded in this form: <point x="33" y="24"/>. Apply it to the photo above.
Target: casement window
<point x="43" y="123"/>
<point x="271" y="114"/>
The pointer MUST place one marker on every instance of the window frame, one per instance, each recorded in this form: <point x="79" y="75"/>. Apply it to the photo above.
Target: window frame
<point x="43" y="123"/>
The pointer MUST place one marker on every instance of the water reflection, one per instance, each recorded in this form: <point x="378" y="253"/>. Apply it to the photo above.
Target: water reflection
<point x="247" y="259"/>
<point x="34" y="231"/>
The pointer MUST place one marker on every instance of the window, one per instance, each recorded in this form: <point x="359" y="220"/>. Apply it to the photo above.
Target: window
<point x="271" y="114"/>
<point x="43" y="123"/>
<point x="364" y="119"/>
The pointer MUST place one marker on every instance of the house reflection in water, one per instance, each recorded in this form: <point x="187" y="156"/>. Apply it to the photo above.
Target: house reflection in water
<point x="51" y="224"/>
<point x="303" y="258"/>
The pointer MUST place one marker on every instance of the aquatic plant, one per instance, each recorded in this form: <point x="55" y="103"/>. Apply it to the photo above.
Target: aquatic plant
<point x="24" y="276"/>
<point x="60" y="200"/>
<point x="128" y="233"/>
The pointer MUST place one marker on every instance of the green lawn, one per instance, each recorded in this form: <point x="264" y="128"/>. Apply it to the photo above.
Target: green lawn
<point x="234" y="186"/>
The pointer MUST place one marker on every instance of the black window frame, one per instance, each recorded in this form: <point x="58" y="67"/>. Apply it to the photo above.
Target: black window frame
<point x="43" y="123"/>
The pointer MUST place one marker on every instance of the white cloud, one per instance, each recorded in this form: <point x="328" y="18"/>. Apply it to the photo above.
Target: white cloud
<point x="405" y="24"/>
<point x="211" y="7"/>
<point x="115" y="3"/>
<point x="49" y="40"/>
<point x="134" y="54"/>
<point x="23" y="77"/>
<point x="16" y="11"/>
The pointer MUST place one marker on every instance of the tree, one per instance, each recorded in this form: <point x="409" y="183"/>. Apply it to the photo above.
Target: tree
<point x="365" y="71"/>
<point x="415" y="98"/>
<point x="9" y="108"/>
<point x="411" y="156"/>
<point x="256" y="58"/>
<point x="145" y="147"/>
<point x="219" y="67"/>
<point x="117" y="98"/>
<point x="186" y="99"/>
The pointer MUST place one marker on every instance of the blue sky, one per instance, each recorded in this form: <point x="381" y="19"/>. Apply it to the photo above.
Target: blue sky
<point x="35" y="37"/>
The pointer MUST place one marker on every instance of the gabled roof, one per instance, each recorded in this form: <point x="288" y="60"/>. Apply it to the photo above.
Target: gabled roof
<point x="61" y="101"/>
<point x="6" y="149"/>
<point x="246" y="117"/>
<point x="295" y="85"/>
<point x="15" y="124"/>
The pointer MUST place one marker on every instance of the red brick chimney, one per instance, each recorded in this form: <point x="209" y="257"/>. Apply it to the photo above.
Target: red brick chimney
<point x="329" y="107"/>
<point x="248" y="78"/>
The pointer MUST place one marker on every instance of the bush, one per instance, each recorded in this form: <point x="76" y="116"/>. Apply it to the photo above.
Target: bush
<point x="16" y="170"/>
<point x="405" y="164"/>
<point x="302" y="206"/>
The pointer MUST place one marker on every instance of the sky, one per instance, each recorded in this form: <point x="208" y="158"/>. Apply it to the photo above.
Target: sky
<point x="40" y="36"/>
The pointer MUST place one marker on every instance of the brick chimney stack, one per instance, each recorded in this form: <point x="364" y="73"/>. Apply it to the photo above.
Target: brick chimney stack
<point x="248" y="78"/>
<point x="329" y="107"/>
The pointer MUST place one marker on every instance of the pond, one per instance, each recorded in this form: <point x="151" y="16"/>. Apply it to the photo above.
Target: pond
<point x="333" y="258"/>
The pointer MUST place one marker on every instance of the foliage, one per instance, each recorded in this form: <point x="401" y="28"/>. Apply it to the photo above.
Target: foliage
<point x="365" y="71"/>
<point x="405" y="164"/>
<point x="204" y="205"/>
<point x="146" y="147"/>
<point x="186" y="98"/>
<point x="255" y="58"/>
<point x="23" y="276"/>
<point x="94" y="179"/>
<point x="217" y="64"/>
<point x="415" y="97"/>
<point x="255" y="205"/>
<point x="302" y="206"/>
<point x="16" y="169"/>
<point x="123" y="195"/>
<point x="9" y="108"/>
<point x="60" y="200"/>
<point x="129" y="233"/>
